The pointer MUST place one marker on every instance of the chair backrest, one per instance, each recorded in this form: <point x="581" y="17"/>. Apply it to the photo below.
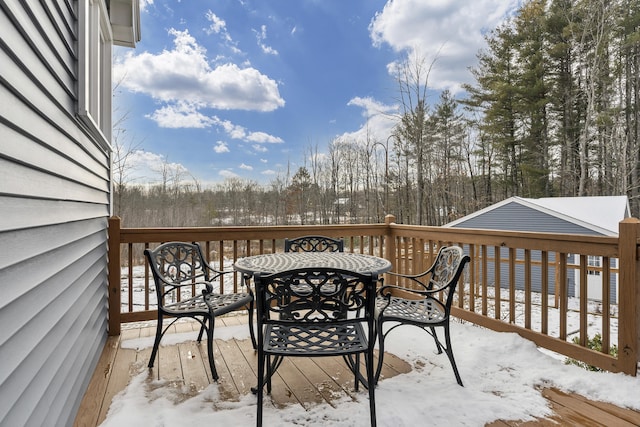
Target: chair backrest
<point x="446" y="271"/>
<point x="178" y="264"/>
<point x="315" y="296"/>
<point x="314" y="244"/>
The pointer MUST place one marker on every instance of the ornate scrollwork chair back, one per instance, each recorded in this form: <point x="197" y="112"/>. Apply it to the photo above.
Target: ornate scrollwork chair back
<point x="313" y="244"/>
<point x="302" y="313"/>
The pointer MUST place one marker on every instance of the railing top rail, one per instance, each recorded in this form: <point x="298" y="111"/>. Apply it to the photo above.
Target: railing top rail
<point x="141" y="235"/>
<point x="568" y="243"/>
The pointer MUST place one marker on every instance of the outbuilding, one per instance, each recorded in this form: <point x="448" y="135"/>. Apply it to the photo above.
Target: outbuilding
<point x="596" y="216"/>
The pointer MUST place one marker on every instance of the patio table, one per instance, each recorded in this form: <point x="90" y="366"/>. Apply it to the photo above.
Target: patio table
<point x="272" y="263"/>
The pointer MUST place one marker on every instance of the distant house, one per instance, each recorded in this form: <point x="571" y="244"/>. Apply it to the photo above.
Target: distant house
<point x="598" y="216"/>
<point x="55" y="199"/>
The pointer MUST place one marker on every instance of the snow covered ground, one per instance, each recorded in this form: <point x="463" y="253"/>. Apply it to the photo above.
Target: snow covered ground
<point x="502" y="375"/>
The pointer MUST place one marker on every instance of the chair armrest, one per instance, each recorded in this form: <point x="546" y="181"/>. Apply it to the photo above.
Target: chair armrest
<point x="414" y="278"/>
<point x="173" y="285"/>
<point x="410" y="276"/>
<point x="215" y="272"/>
<point x="385" y="291"/>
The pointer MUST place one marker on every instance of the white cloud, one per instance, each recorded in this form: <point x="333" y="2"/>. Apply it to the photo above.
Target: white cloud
<point x="180" y="115"/>
<point x="183" y="74"/>
<point x="217" y="26"/>
<point x="372" y="107"/>
<point x="144" y="4"/>
<point x="147" y="167"/>
<point x="379" y="120"/>
<point x="227" y="173"/>
<point x="447" y="31"/>
<point x="260" y="148"/>
<point x="269" y="172"/>
<point x="246" y="167"/>
<point x="241" y="133"/>
<point x="221" y="147"/>
<point x="263" y="137"/>
<point x="261" y="37"/>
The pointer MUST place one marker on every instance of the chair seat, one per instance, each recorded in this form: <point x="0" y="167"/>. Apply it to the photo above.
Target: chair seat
<point x="190" y="306"/>
<point x="315" y="340"/>
<point x="226" y="303"/>
<point x="414" y="311"/>
<point x="218" y="303"/>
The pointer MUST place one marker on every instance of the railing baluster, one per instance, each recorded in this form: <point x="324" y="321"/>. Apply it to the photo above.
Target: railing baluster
<point x="527" y="288"/>
<point x="130" y="276"/>
<point x="606" y="304"/>
<point x="485" y="297"/>
<point x="544" y="290"/>
<point x="512" y="285"/>
<point x="584" y="334"/>
<point x="563" y="295"/>
<point x="147" y="290"/>
<point x="497" y="283"/>
<point x="472" y="278"/>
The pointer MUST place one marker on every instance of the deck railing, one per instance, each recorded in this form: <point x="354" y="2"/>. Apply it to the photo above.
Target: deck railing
<point x="539" y="275"/>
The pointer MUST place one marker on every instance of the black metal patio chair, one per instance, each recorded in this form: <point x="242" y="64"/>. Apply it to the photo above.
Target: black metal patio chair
<point x="427" y="304"/>
<point x="313" y="244"/>
<point x="183" y="281"/>
<point x="301" y="313"/>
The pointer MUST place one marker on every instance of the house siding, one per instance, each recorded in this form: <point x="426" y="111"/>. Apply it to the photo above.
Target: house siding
<point x="516" y="217"/>
<point x="54" y="205"/>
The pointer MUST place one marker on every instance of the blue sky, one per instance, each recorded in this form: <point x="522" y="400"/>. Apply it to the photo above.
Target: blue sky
<point x="244" y="88"/>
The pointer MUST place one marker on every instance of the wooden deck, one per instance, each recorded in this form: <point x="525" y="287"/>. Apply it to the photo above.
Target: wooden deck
<point x="186" y="364"/>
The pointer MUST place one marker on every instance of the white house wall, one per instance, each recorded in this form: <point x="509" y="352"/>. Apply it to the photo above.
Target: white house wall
<point x="54" y="205"/>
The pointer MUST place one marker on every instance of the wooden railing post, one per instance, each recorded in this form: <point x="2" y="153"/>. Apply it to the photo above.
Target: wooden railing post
<point x="114" y="275"/>
<point x="629" y="296"/>
<point x="390" y="242"/>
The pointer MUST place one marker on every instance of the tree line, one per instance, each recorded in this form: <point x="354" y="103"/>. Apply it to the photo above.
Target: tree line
<point x="553" y="110"/>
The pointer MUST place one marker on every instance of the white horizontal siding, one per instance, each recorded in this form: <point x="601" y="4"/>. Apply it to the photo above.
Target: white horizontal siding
<point x="18" y="213"/>
<point x="35" y="53"/>
<point x="42" y="252"/>
<point x="54" y="204"/>
<point x="36" y="154"/>
<point x="45" y="121"/>
<point x="20" y="180"/>
<point x="52" y="337"/>
<point x="49" y="321"/>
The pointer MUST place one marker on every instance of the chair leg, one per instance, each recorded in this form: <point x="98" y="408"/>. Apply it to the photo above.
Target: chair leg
<point x="156" y="342"/>
<point x="356" y="370"/>
<point x="271" y="369"/>
<point x="260" y="387"/>
<point x="380" y="350"/>
<point x="435" y="338"/>
<point x="251" y="330"/>
<point x="449" y="351"/>
<point x="212" y="364"/>
<point x="370" y="381"/>
<point x="201" y="329"/>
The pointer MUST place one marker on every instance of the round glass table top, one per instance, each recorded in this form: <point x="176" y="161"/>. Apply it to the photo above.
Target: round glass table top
<point x="272" y="263"/>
